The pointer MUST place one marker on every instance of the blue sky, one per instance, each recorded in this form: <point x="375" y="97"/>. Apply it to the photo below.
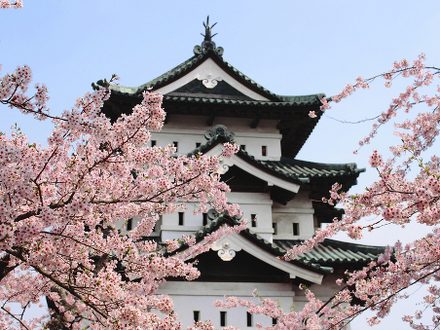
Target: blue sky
<point x="290" y="47"/>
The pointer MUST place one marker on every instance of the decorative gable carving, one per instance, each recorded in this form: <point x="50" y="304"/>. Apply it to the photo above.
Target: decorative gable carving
<point x="209" y="80"/>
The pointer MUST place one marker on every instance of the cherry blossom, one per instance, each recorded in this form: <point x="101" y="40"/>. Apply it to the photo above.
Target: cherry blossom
<point x="407" y="190"/>
<point x="4" y="4"/>
<point x="61" y="208"/>
<point x="229" y="149"/>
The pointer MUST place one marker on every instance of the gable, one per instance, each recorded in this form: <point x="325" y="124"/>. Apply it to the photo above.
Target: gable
<point x="209" y="73"/>
<point x="242" y="181"/>
<point x="242" y="268"/>
<point x="255" y="169"/>
<point x="221" y="88"/>
<point x="228" y="247"/>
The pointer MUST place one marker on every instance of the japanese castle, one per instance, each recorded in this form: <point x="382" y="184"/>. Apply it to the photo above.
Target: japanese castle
<point x="208" y="102"/>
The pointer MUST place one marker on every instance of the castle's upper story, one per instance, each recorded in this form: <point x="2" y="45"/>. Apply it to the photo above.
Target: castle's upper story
<point x="208" y="102"/>
<point x="205" y="90"/>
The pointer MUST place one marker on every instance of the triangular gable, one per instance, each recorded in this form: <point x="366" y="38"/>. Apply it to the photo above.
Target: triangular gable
<point x="252" y="168"/>
<point x="253" y="245"/>
<point x="310" y="266"/>
<point x="228" y="246"/>
<point x="209" y="73"/>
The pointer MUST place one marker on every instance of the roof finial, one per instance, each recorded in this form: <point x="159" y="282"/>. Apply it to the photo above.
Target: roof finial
<point x="208" y="30"/>
<point x="207" y="43"/>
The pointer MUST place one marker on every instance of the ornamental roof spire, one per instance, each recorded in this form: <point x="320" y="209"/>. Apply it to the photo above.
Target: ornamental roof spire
<point x="207" y="43"/>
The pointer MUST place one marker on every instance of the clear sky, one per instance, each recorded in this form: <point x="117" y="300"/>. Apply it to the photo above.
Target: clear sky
<point x="290" y="47"/>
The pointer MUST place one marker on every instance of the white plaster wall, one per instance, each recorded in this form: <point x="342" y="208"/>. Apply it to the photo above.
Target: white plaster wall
<point x="195" y="128"/>
<point x="200" y="296"/>
<point x="192" y="222"/>
<point x="254" y="146"/>
<point x="259" y="204"/>
<point x="122" y="225"/>
<point x="250" y="203"/>
<point x="299" y="210"/>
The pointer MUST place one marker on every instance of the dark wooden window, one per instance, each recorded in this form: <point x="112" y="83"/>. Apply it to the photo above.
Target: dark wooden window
<point x="181" y="215"/>
<point x="274" y="321"/>
<point x="130" y="224"/>
<point x="253" y="220"/>
<point x="176" y="145"/>
<point x="249" y="319"/>
<point x="196" y="316"/>
<point x="295" y="229"/>
<point x="205" y="219"/>
<point x="153" y="143"/>
<point x="275" y="228"/>
<point x="263" y="150"/>
<point x="222" y="318"/>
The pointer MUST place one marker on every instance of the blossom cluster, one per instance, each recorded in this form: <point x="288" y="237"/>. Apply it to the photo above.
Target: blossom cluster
<point x="61" y="207"/>
<point x="229" y="149"/>
<point x="407" y="190"/>
<point x="5" y="4"/>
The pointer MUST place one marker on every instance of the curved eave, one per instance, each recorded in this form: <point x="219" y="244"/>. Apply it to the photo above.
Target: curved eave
<point x="241" y="77"/>
<point x="335" y="253"/>
<point x="292" y="170"/>
<point x="306" y="100"/>
<point x="321" y="259"/>
<point x="278" y="252"/>
<point x="312" y="170"/>
<point x="168" y="77"/>
<point x="345" y="172"/>
<point x="311" y="100"/>
<point x="262" y="166"/>
<point x="220" y="220"/>
<point x="297" y="109"/>
<point x="190" y="64"/>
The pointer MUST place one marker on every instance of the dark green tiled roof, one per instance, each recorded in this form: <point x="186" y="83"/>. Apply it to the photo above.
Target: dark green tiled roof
<point x="193" y="62"/>
<point x="323" y="258"/>
<point x="163" y="79"/>
<point x="187" y="66"/>
<point x="332" y="252"/>
<point x="296" y="100"/>
<point x="302" y="169"/>
<point x="289" y="169"/>
<point x="216" y="221"/>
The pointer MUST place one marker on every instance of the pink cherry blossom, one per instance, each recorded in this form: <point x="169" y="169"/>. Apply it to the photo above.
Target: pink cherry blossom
<point x="229" y="149"/>
<point x="407" y="190"/>
<point x="4" y="4"/>
<point x="61" y="207"/>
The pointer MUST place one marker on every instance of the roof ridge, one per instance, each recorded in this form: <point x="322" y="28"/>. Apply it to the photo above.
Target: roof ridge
<point x="199" y="58"/>
<point x="164" y="77"/>
<point x="289" y="97"/>
<point x="332" y="251"/>
<point x="294" y="161"/>
<point x="365" y="248"/>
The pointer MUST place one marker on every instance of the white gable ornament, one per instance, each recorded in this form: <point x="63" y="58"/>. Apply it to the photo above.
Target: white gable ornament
<point x="209" y="80"/>
<point x="226" y="250"/>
